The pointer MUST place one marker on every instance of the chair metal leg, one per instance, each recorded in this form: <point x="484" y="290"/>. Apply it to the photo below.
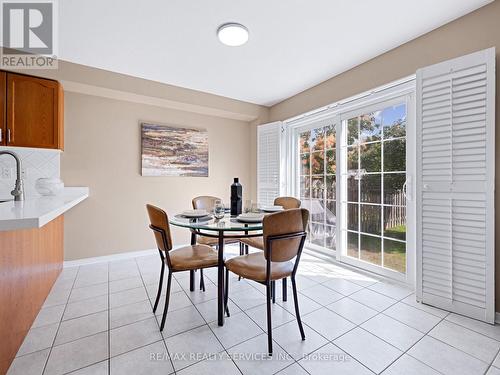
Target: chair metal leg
<point x="226" y="294"/>
<point x="167" y="299"/>
<point x="202" y="280"/>
<point x="246" y="249"/>
<point x="269" y="320"/>
<point x="242" y="250"/>
<point x="191" y="280"/>
<point x="273" y="291"/>
<point x="297" y="313"/>
<point x="284" y="292"/>
<point x="159" y="286"/>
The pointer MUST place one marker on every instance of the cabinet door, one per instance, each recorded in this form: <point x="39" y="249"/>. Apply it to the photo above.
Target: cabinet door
<point x="34" y="112"/>
<point x="3" y="104"/>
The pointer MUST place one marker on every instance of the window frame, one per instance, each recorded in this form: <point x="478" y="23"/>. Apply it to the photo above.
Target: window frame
<point x="342" y="188"/>
<point x="296" y="176"/>
<point x="396" y="92"/>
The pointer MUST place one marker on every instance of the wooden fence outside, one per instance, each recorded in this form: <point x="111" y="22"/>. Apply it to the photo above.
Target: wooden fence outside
<point x="370" y="216"/>
<point x="370" y="220"/>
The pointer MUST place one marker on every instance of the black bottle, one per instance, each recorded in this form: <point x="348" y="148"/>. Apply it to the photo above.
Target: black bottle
<point x="236" y="197"/>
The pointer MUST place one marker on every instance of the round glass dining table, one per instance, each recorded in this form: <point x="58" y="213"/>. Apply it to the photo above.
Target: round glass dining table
<point x="228" y="227"/>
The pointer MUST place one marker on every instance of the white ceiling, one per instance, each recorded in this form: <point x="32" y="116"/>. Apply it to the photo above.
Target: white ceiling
<point x="294" y="44"/>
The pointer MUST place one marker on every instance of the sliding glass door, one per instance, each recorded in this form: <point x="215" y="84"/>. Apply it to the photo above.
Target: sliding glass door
<point x="373" y="177"/>
<point x="351" y="173"/>
<point x="317" y="181"/>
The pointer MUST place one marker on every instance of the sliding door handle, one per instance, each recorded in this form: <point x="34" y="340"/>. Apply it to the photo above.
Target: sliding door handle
<point x="407" y="188"/>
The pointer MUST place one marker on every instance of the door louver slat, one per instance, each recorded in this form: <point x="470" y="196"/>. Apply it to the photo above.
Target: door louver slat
<point x="268" y="162"/>
<point x="455" y="181"/>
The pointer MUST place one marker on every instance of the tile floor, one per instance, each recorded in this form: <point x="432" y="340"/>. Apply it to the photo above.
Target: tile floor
<point x="98" y="320"/>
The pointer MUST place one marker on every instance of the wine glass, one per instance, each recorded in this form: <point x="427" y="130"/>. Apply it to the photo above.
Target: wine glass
<point x="219" y="209"/>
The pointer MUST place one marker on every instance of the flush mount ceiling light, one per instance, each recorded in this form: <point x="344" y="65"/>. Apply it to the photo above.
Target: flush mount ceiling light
<point x="232" y="34"/>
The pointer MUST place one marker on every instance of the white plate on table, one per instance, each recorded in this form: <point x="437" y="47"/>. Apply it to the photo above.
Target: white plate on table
<point x="195" y="213"/>
<point x="272" y="208"/>
<point x="250" y="217"/>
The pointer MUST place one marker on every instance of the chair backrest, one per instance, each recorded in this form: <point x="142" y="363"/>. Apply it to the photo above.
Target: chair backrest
<point x="287" y="202"/>
<point x="161" y="229"/>
<point x="288" y="222"/>
<point x="204" y="202"/>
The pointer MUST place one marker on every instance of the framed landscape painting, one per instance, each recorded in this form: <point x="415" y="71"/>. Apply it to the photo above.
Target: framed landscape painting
<point x="174" y="151"/>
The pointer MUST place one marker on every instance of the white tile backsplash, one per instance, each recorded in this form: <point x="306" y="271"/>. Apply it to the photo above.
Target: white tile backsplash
<point x="36" y="163"/>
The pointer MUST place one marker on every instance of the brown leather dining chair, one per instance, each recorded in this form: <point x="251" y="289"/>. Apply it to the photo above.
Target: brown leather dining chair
<point x="186" y="258"/>
<point x="258" y="242"/>
<point x="284" y="234"/>
<point x="207" y="202"/>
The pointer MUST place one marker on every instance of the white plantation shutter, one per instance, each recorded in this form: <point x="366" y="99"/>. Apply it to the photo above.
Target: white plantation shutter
<point x="268" y="162"/>
<point x="455" y="185"/>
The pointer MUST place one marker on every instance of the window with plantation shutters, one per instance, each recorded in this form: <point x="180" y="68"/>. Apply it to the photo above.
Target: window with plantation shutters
<point x="455" y="185"/>
<point x="268" y="162"/>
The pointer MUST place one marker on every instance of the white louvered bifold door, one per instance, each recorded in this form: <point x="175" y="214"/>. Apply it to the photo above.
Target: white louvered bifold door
<point x="455" y="185"/>
<point x="268" y="162"/>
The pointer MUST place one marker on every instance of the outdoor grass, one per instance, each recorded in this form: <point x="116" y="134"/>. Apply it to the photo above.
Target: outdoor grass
<point x="399" y="232"/>
<point x="394" y="251"/>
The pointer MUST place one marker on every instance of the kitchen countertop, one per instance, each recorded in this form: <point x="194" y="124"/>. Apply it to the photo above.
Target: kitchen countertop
<point x="36" y="211"/>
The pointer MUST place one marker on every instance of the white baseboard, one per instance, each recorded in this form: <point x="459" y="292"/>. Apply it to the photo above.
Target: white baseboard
<point x="108" y="258"/>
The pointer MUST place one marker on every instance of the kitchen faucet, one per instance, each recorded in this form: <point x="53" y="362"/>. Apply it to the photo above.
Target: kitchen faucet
<point x="18" y="191"/>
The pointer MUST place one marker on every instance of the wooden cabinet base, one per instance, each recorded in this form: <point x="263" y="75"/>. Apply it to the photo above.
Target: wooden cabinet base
<point x="30" y="261"/>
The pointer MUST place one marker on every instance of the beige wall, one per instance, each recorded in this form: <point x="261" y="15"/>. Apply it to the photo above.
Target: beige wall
<point x="103" y="111"/>
<point x="473" y="32"/>
<point x="103" y="152"/>
<point x="84" y="79"/>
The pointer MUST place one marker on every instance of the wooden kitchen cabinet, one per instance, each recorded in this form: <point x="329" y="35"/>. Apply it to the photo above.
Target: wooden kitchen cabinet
<point x="3" y="104"/>
<point x="34" y="112"/>
<point x="30" y="262"/>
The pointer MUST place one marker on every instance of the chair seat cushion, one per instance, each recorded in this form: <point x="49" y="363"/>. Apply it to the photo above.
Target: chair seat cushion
<point x="257" y="242"/>
<point x="253" y="267"/>
<point x="193" y="257"/>
<point x="211" y="241"/>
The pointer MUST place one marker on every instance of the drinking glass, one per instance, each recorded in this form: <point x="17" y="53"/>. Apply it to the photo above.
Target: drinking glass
<point x="219" y="209"/>
<point x="248" y="206"/>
